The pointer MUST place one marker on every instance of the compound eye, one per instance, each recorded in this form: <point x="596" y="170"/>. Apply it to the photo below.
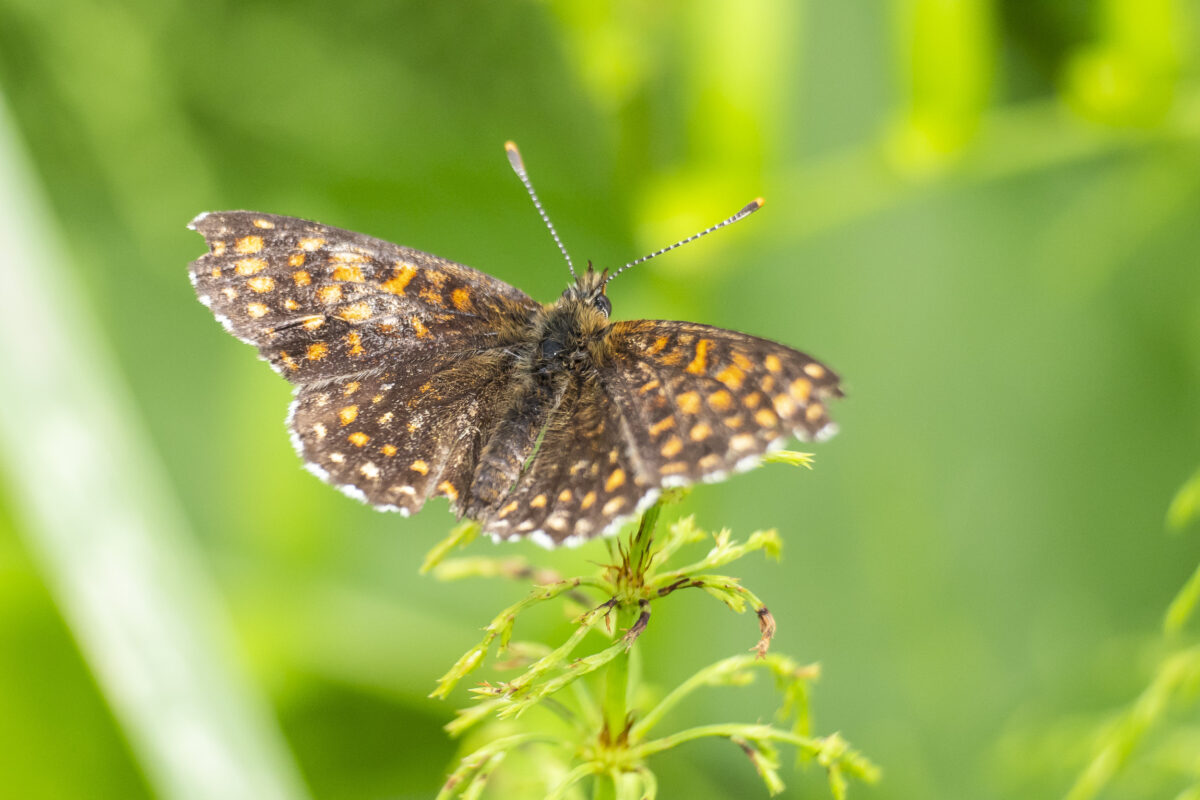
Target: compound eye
<point x="603" y="303"/>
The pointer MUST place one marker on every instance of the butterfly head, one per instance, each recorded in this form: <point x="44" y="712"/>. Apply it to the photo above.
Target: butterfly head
<point x="588" y="291"/>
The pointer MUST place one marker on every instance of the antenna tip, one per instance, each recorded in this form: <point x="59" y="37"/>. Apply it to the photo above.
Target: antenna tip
<point x="751" y="208"/>
<point x="514" y="156"/>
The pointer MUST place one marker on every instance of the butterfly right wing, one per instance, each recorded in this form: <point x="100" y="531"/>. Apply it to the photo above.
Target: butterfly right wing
<point x="703" y="402"/>
<point x="320" y="302"/>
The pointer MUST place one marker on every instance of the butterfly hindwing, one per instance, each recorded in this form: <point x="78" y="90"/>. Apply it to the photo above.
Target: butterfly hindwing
<point x="582" y="481"/>
<point x="394" y="440"/>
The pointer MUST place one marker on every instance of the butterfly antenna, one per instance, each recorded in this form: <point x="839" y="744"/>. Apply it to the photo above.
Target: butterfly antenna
<point x="514" y="158"/>
<point x="745" y="212"/>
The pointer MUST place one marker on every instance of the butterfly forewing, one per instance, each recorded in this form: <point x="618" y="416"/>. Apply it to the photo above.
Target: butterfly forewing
<point x="321" y="303"/>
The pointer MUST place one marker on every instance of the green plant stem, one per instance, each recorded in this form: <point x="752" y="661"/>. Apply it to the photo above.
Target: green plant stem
<point x="616" y="686"/>
<point x="615" y="705"/>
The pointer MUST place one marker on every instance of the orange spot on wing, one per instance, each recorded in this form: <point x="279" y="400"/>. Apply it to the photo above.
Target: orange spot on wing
<point x="355" y="312"/>
<point x="329" y="294"/>
<point x="432" y="296"/>
<point x="248" y="245"/>
<point x="256" y="310"/>
<point x="249" y="266"/>
<point x="261" y="283"/>
<point x="731" y="376"/>
<point x="800" y="389"/>
<point x="615" y="480"/>
<point x="317" y="351"/>
<point x="447" y="488"/>
<point x="662" y="425"/>
<point x="350" y="273"/>
<point x="348" y="414"/>
<point x="461" y="299"/>
<point x="773" y="363"/>
<point x="264" y="223"/>
<point x="354" y="342"/>
<point x="720" y="400"/>
<point x="766" y="418"/>
<point x="358" y="438"/>
<point x="401" y="276"/>
<point x="296" y="260"/>
<point x="310" y="243"/>
<point x="420" y="466"/>
<point x="688" y="402"/>
<point x="419" y="327"/>
<point x="699" y="363"/>
<point x="302" y="278"/>
<point x="388" y="450"/>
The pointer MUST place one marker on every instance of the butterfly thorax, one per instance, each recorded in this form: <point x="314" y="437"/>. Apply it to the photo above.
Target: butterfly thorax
<point x="572" y="333"/>
<point x="569" y="343"/>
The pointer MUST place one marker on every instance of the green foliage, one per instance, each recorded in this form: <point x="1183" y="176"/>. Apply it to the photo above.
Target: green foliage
<point x="606" y="737"/>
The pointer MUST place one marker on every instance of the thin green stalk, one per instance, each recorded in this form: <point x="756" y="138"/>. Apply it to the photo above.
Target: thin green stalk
<point x="713" y="675"/>
<point x="616" y="684"/>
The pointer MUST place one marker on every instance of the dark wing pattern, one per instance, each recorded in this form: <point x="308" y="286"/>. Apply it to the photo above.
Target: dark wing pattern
<point x="704" y="402"/>
<point x="584" y="479"/>
<point x="322" y="303"/>
<point x="395" y="440"/>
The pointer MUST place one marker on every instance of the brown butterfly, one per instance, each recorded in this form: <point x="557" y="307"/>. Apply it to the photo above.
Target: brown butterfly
<point x="416" y="377"/>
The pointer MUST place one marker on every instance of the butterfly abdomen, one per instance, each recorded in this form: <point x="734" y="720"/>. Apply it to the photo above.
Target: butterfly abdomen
<point x="512" y="441"/>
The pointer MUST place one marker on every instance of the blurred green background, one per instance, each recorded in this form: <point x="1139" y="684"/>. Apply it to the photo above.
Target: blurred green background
<point x="983" y="214"/>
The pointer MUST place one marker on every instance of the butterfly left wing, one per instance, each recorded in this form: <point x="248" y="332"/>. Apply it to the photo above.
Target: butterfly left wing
<point x="322" y="303"/>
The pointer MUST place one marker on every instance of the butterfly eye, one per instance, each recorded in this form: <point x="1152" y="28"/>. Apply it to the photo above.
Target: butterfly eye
<point x="603" y="303"/>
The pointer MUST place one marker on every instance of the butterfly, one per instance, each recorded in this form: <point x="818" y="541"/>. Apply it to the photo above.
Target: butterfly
<point x="417" y="377"/>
